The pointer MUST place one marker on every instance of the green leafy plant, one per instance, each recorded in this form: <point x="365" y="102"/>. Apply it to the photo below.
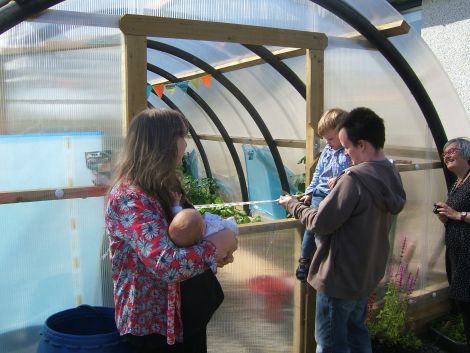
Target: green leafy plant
<point x="299" y="179"/>
<point x="204" y="191"/>
<point x="231" y="211"/>
<point x="452" y="327"/>
<point x="389" y="326"/>
<point x="201" y="191"/>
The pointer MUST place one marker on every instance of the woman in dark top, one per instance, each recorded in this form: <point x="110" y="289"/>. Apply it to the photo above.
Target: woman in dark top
<point x="455" y="214"/>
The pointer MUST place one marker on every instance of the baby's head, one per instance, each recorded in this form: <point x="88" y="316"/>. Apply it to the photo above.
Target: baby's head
<point x="328" y="126"/>
<point x="186" y="228"/>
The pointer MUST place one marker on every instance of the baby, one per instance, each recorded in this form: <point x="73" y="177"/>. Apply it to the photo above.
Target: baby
<point x="188" y="226"/>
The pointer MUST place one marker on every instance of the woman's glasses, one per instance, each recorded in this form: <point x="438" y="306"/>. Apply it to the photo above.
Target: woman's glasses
<point x="450" y="151"/>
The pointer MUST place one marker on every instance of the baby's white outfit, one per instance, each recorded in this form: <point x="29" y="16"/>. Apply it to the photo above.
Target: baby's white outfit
<point x="215" y="223"/>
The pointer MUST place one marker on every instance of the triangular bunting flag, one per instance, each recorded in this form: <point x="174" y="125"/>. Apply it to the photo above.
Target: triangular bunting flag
<point x="206" y="79"/>
<point x="183" y="85"/>
<point x="196" y="82"/>
<point x="149" y="89"/>
<point x="170" y="88"/>
<point x="159" y="89"/>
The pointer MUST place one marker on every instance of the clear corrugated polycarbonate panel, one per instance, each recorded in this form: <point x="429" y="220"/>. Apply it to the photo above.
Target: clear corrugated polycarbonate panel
<point x="451" y="111"/>
<point x="215" y="53"/>
<point x="224" y="171"/>
<point x="60" y="99"/>
<point x="258" y="311"/>
<point x="280" y="105"/>
<point x="56" y="84"/>
<point x="421" y="230"/>
<point x="261" y="86"/>
<point x="423" y="62"/>
<point x="406" y="127"/>
<point x="408" y="142"/>
<point x="277" y="13"/>
<point x="51" y="253"/>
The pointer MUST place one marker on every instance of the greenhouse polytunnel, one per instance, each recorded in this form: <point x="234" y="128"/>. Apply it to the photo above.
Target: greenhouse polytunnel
<point x="253" y="78"/>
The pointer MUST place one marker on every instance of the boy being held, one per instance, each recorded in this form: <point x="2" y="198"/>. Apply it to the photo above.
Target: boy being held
<point x="330" y="165"/>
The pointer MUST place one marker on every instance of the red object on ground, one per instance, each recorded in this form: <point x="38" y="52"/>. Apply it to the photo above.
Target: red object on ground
<point x="275" y="291"/>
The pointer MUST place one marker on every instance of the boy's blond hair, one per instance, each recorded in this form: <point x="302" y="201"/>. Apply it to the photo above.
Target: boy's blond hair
<point x="330" y="120"/>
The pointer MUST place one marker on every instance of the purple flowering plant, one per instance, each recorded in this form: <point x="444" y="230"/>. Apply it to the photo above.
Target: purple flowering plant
<point x="389" y="325"/>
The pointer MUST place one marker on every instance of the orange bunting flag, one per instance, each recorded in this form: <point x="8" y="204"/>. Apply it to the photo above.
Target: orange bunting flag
<point x="196" y="82"/>
<point x="159" y="89"/>
<point x="206" y="79"/>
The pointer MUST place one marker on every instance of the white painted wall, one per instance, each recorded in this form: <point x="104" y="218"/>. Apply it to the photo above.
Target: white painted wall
<point x="446" y="30"/>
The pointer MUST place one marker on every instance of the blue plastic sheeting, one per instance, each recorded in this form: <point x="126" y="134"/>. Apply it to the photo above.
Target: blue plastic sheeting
<point x="263" y="180"/>
<point x="50" y="250"/>
<point x="191" y="164"/>
<point x="54" y="160"/>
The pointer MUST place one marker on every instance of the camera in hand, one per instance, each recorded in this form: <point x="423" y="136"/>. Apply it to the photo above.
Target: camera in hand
<point x="435" y="209"/>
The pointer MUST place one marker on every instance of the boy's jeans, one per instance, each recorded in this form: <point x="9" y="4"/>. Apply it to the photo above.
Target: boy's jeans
<point x="340" y="325"/>
<point x="308" y="241"/>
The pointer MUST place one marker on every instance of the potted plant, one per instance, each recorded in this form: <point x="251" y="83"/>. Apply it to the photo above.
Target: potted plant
<point x="450" y="333"/>
<point x="388" y="325"/>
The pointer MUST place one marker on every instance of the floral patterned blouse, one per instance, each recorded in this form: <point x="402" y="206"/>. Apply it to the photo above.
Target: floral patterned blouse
<point x="146" y="266"/>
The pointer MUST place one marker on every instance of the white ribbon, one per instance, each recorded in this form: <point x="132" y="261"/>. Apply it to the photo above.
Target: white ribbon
<point x="230" y="204"/>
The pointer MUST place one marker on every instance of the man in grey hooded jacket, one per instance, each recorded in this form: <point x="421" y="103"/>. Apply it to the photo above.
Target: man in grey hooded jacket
<point x="355" y="219"/>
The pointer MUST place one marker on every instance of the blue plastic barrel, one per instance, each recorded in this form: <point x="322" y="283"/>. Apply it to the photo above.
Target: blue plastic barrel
<point x="82" y="329"/>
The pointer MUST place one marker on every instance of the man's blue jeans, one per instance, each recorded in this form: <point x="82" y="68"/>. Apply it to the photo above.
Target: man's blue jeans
<point x="340" y="325"/>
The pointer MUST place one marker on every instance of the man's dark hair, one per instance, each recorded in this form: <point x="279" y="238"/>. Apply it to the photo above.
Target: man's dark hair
<point x="364" y="124"/>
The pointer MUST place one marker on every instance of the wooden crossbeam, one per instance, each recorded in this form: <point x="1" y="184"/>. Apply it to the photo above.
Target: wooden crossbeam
<point x="402" y="151"/>
<point x="52" y="194"/>
<point x="9" y="197"/>
<point x="153" y="26"/>
<point x="256" y="141"/>
<point x="390" y="29"/>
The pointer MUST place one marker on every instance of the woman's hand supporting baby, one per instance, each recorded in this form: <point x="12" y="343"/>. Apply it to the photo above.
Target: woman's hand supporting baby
<point x="226" y="243"/>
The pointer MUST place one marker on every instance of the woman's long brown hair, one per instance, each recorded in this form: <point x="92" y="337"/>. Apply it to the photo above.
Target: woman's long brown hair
<point x="148" y="158"/>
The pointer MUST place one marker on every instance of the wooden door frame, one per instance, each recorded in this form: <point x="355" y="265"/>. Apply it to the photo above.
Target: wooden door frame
<point x="136" y="29"/>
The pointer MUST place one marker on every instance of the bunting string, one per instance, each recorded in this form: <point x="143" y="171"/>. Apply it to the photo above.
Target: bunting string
<point x="159" y="89"/>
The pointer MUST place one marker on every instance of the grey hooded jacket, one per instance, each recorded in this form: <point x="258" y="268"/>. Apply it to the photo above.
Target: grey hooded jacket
<point x="354" y="221"/>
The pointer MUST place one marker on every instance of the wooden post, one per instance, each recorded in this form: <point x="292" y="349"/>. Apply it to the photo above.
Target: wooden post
<point x="134" y="60"/>
<point x="315" y="96"/>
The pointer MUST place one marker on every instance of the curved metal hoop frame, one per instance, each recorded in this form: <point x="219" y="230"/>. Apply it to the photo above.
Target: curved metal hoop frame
<point x="237" y="93"/>
<point x="361" y="24"/>
<point x="215" y="119"/>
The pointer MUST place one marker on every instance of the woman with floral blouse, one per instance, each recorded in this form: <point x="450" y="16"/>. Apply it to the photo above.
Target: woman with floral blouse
<point x="164" y="295"/>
